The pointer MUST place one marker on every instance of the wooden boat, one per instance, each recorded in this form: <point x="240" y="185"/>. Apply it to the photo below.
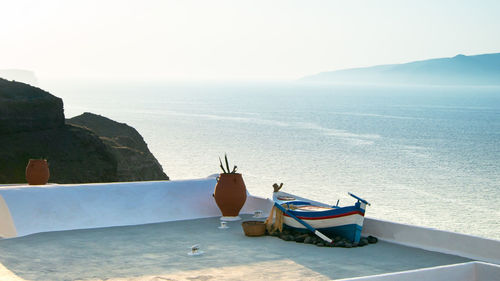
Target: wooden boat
<point x="330" y="220"/>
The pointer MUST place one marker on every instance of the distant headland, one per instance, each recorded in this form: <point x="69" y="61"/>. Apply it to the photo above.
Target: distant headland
<point x="20" y="75"/>
<point x="83" y="149"/>
<point x="458" y="70"/>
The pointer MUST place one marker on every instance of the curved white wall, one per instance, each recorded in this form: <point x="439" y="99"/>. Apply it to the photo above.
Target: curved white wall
<point x="7" y="228"/>
<point x="463" y="245"/>
<point x="471" y="271"/>
<point x="75" y="206"/>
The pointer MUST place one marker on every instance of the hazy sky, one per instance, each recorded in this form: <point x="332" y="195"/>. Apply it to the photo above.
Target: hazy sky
<point x="179" y="40"/>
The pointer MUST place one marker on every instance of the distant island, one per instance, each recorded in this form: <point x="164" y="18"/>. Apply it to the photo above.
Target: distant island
<point x="19" y="75"/>
<point x="458" y="70"/>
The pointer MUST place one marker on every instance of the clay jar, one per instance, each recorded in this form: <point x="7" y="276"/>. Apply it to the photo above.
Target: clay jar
<point x="230" y="194"/>
<point x="37" y="172"/>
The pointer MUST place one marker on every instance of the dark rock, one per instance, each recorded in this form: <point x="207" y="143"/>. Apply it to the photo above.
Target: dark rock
<point x="75" y="155"/>
<point x="32" y="125"/>
<point x="348" y="245"/>
<point x="372" y="239"/>
<point x="355" y="244"/>
<point x="134" y="160"/>
<point x="301" y="237"/>
<point x="320" y="244"/>
<point x="308" y="240"/>
<point x="24" y="108"/>
<point x="339" y="244"/>
<point x="286" y="237"/>
<point x="363" y="242"/>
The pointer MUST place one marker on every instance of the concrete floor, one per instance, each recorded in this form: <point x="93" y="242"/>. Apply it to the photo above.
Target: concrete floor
<point x="159" y="251"/>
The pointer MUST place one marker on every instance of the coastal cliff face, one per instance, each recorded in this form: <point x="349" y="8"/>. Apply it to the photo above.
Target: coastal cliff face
<point x="75" y="155"/>
<point x="24" y="108"/>
<point x="32" y="125"/>
<point x="134" y="160"/>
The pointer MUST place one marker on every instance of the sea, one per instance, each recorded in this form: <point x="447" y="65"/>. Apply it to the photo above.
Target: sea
<point x="422" y="155"/>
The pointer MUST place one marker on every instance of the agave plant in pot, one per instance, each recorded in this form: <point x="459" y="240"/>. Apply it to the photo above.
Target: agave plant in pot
<point x="230" y="191"/>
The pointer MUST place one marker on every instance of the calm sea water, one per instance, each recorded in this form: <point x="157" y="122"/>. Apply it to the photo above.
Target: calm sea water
<point x="428" y="156"/>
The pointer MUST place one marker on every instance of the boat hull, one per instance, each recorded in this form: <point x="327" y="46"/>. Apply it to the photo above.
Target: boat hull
<point x="329" y="220"/>
<point x="349" y="227"/>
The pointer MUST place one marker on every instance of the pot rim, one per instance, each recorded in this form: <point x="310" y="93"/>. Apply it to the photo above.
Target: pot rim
<point x="253" y="222"/>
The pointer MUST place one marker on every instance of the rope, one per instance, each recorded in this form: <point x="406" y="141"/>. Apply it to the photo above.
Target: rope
<point x="275" y="220"/>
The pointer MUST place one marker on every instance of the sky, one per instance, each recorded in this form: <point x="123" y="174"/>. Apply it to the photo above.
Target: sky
<point x="236" y="40"/>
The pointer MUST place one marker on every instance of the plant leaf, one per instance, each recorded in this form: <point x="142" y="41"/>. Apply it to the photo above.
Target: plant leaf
<point x="222" y="166"/>
<point x="227" y="163"/>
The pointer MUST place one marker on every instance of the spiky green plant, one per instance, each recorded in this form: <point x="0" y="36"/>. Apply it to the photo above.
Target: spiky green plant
<point x="227" y="170"/>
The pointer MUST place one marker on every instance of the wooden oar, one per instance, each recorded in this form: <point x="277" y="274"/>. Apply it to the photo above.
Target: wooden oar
<point x="308" y="226"/>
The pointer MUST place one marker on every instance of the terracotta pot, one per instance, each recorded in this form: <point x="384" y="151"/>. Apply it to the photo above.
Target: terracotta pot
<point x="230" y="194"/>
<point x="37" y="172"/>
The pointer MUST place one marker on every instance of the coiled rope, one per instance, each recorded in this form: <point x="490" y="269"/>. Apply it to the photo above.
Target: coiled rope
<point x="275" y="220"/>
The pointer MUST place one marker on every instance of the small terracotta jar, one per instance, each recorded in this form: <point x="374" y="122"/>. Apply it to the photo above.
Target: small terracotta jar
<point x="37" y="172"/>
<point x="230" y="194"/>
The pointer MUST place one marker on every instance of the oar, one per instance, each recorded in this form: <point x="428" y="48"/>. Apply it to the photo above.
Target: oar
<point x="308" y="226"/>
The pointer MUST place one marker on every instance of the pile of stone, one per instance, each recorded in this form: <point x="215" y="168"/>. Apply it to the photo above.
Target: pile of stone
<point x="289" y="234"/>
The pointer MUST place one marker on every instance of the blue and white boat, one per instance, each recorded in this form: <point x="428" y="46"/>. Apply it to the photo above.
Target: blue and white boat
<point x="330" y="220"/>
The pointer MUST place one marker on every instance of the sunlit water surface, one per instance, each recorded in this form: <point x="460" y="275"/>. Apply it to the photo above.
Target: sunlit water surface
<point x="428" y="156"/>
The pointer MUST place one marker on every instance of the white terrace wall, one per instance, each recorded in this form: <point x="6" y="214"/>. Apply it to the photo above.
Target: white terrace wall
<point x="471" y="271"/>
<point x="7" y="228"/>
<point x="468" y="246"/>
<point x="75" y="206"/>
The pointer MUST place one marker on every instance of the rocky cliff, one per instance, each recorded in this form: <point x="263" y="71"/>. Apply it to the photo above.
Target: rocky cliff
<point x="24" y="108"/>
<point x="32" y="125"/>
<point x="134" y="160"/>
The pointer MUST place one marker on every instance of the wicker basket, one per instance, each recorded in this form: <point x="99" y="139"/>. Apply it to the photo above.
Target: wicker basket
<point x="254" y="228"/>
